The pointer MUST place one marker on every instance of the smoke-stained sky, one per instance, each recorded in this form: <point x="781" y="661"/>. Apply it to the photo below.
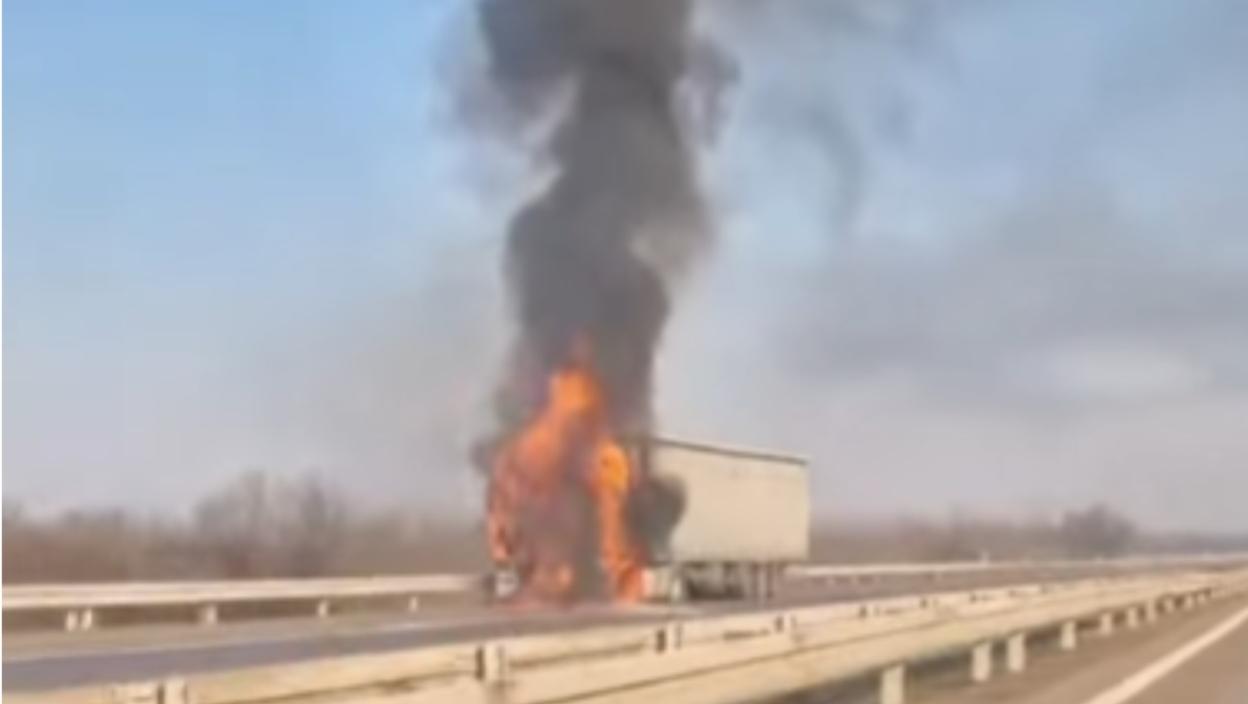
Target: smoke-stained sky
<point x="987" y="255"/>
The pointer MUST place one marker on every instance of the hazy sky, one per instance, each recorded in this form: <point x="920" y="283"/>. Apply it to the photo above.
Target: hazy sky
<point x="987" y="255"/>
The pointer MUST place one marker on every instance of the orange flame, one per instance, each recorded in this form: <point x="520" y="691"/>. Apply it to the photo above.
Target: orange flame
<point x="565" y="454"/>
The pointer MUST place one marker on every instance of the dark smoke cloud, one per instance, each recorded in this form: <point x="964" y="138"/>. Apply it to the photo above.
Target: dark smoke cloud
<point x="593" y="255"/>
<point x="806" y="62"/>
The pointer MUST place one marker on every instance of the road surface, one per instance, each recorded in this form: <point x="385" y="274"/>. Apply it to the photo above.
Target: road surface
<point x="1127" y="667"/>
<point x="1217" y="675"/>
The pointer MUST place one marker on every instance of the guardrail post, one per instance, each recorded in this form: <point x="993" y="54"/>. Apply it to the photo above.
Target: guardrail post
<point x="322" y="608"/>
<point x="79" y="619"/>
<point x="492" y="665"/>
<point x="1150" y="611"/>
<point x="1132" y="618"/>
<point x="413" y="604"/>
<point x="174" y="691"/>
<point x="1016" y="652"/>
<point x="1107" y="624"/>
<point x="981" y="662"/>
<point x="208" y="615"/>
<point x="1069" y="639"/>
<point x="893" y="685"/>
<point x="170" y="691"/>
<point x="668" y="637"/>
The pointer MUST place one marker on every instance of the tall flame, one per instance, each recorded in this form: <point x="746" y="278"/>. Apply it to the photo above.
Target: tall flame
<point x="564" y="459"/>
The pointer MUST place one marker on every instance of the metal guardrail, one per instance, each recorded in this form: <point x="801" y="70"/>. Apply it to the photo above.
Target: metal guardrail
<point x="729" y="658"/>
<point x="921" y="569"/>
<point x="80" y="603"/>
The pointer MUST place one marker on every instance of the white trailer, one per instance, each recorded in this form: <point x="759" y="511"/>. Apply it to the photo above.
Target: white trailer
<point x="743" y="516"/>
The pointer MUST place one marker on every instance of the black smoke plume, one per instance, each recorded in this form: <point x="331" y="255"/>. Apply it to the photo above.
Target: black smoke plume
<point x="591" y="255"/>
<point x="591" y="258"/>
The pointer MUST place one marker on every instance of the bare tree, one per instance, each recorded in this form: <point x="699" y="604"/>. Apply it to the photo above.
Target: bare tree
<point x="1097" y="531"/>
<point x="314" y="525"/>
<point x="235" y="527"/>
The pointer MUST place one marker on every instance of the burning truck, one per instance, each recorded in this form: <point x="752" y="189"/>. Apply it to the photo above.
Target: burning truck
<point x="575" y="512"/>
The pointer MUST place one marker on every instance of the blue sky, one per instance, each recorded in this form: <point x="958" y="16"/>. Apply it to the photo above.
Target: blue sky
<point x="213" y="146"/>
<point x="245" y="234"/>
<point x="187" y="184"/>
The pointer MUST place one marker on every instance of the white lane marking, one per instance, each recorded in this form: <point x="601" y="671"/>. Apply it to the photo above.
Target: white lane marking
<point x="1142" y="680"/>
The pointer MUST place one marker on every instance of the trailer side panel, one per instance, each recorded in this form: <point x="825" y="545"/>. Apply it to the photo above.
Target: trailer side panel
<point x="739" y="506"/>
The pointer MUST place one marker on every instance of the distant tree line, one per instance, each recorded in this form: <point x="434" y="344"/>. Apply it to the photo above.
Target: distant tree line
<point x="1095" y="532"/>
<point x="258" y="525"/>
<point x="261" y="525"/>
